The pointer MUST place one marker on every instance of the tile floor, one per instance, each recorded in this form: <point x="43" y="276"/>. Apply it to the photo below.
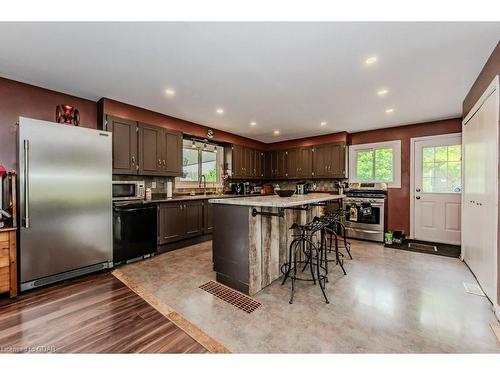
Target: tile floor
<point x="391" y="301"/>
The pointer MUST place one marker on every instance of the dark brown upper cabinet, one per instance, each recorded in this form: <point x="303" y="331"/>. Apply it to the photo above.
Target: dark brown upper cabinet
<point x="329" y="160"/>
<point x="339" y="155"/>
<point x="172" y="152"/>
<point x="281" y="164"/>
<point x="124" y="145"/>
<point x="305" y="162"/>
<point x="292" y="166"/>
<point x="144" y="149"/>
<point x="236" y="158"/>
<point x="243" y="162"/>
<point x="150" y="150"/>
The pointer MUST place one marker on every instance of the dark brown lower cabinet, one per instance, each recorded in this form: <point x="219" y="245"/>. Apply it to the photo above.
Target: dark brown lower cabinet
<point x="208" y="223"/>
<point x="171" y="225"/>
<point x="193" y="218"/>
<point x="183" y="219"/>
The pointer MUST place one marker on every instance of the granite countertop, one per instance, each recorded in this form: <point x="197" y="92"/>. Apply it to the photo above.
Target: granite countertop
<point x="276" y="201"/>
<point x="201" y="196"/>
<point x="180" y="198"/>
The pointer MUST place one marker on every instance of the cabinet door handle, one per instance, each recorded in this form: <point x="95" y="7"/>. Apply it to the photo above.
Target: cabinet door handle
<point x="164" y="163"/>
<point x="133" y="160"/>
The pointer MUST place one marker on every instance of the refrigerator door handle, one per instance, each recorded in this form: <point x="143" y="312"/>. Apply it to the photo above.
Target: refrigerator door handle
<point x="26" y="183"/>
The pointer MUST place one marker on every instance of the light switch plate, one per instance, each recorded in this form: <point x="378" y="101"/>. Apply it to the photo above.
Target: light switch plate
<point x="153" y="185"/>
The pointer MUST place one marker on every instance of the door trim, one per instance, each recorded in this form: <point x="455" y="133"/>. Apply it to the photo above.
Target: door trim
<point x="413" y="141"/>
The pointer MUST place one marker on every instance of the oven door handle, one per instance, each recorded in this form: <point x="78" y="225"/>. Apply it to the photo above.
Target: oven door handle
<point x="364" y="230"/>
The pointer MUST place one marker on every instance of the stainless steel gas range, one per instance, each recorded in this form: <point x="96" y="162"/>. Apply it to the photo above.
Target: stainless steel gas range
<point x="365" y="205"/>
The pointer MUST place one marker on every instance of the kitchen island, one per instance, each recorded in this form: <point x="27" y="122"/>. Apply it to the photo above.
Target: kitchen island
<point x="252" y="235"/>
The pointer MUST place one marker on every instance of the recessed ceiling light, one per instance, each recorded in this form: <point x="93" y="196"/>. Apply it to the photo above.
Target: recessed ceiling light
<point x="371" y="60"/>
<point x="323" y="123"/>
<point x="389" y="110"/>
<point x="220" y="111"/>
<point x="253" y="123"/>
<point x="170" y="92"/>
<point x="276" y="132"/>
<point x="382" y="92"/>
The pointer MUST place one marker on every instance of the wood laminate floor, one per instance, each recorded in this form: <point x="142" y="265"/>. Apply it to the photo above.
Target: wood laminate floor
<point x="94" y="314"/>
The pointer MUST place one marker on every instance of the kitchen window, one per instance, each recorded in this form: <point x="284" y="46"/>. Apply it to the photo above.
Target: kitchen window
<point x="200" y="159"/>
<point x="376" y="162"/>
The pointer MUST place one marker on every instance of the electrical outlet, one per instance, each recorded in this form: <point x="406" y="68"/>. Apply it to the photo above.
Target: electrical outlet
<point x="153" y="185"/>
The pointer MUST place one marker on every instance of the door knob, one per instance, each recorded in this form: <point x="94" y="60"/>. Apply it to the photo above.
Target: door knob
<point x="417" y="197"/>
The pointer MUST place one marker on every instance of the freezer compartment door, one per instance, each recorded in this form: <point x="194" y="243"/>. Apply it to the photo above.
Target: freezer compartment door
<point x="65" y="194"/>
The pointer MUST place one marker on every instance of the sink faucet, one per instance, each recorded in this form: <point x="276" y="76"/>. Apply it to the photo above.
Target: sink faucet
<point x="202" y="177"/>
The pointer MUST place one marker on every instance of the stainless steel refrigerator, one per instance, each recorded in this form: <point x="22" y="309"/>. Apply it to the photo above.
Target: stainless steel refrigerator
<point x="65" y="183"/>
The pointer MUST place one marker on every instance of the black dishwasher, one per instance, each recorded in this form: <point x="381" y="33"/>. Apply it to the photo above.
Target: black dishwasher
<point x="134" y="231"/>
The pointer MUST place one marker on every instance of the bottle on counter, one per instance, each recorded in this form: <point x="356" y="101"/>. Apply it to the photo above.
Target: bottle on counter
<point x="149" y="194"/>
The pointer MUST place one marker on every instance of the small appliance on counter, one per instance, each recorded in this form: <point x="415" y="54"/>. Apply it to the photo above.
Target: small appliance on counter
<point x="169" y="189"/>
<point x="256" y="189"/>
<point x="240" y="188"/>
<point x="266" y="189"/>
<point x="129" y="190"/>
<point x="302" y="187"/>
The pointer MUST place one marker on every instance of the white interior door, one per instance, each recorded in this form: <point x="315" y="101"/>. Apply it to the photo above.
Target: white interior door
<point x="480" y="199"/>
<point x="438" y="186"/>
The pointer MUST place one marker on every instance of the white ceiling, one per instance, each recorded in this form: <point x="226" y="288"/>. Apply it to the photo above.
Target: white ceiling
<point x="286" y="76"/>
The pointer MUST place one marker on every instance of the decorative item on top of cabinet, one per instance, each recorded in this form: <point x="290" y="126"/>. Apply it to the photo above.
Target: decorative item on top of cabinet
<point x="67" y="114"/>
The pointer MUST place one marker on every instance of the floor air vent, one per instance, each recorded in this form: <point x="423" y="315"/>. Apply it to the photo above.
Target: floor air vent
<point x="422" y="246"/>
<point x="237" y="299"/>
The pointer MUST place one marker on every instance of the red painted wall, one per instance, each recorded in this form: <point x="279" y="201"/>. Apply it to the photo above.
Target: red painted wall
<point x="398" y="202"/>
<point x="127" y="111"/>
<point x="311" y="141"/>
<point x="19" y="99"/>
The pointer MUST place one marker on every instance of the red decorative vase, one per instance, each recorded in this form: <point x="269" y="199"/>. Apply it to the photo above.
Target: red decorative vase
<point x="67" y="114"/>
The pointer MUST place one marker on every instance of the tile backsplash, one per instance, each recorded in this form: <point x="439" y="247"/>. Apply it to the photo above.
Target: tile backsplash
<point x="327" y="185"/>
<point x="161" y="184"/>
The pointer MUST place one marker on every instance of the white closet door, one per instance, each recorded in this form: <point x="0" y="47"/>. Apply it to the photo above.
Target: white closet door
<point x="480" y="139"/>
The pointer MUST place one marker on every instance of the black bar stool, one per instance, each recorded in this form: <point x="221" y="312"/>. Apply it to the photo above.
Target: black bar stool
<point x="339" y="228"/>
<point x="304" y="251"/>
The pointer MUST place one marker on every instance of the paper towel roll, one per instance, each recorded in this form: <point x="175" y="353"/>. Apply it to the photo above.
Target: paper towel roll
<point x="169" y="189"/>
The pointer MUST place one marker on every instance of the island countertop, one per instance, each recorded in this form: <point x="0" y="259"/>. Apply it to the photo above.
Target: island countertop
<point x="278" y="202"/>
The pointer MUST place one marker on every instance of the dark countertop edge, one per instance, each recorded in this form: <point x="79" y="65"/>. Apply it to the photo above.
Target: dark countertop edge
<point x="182" y="198"/>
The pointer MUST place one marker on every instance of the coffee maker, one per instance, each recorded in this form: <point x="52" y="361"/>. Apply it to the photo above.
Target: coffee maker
<point x="302" y="187"/>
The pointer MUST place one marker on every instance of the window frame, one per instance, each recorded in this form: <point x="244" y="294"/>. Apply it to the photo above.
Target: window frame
<point x="187" y="144"/>
<point x="396" y="161"/>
